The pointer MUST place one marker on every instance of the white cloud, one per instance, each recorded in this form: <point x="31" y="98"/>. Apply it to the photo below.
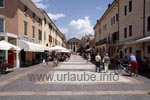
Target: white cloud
<point x="63" y="30"/>
<point x="56" y="16"/>
<point x="37" y="1"/>
<point x="40" y="4"/>
<point x="99" y="8"/>
<point x="79" y="28"/>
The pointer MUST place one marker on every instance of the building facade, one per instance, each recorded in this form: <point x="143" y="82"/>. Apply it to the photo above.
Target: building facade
<point x="87" y="41"/>
<point x="73" y="44"/>
<point x="51" y="35"/>
<point x="121" y="33"/>
<point x="24" y="25"/>
<point x="107" y="32"/>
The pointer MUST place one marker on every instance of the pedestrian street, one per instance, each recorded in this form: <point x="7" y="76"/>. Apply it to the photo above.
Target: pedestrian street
<point x="74" y="79"/>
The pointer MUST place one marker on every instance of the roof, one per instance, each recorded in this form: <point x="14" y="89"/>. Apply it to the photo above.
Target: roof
<point x="73" y="40"/>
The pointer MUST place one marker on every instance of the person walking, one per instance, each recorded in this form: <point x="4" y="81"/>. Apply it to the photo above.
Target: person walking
<point x="134" y="65"/>
<point x="88" y="57"/>
<point x="98" y="61"/>
<point x="46" y="57"/>
<point x="106" y="61"/>
<point x="55" y="61"/>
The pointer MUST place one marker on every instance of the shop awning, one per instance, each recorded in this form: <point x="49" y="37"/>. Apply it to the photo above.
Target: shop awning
<point x="57" y="48"/>
<point x="144" y="39"/>
<point x="8" y="46"/>
<point x="32" y="47"/>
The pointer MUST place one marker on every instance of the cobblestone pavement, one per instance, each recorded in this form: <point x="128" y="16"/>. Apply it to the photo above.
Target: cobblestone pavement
<point x="74" y="79"/>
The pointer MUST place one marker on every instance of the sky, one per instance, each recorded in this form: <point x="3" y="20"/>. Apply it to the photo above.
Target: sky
<point x="74" y="18"/>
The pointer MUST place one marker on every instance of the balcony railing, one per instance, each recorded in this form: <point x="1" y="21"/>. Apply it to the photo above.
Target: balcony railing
<point x="107" y="41"/>
<point x="103" y="41"/>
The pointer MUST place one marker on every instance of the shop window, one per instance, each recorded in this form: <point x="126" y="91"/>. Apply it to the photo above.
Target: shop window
<point x="148" y="49"/>
<point x="1" y="24"/>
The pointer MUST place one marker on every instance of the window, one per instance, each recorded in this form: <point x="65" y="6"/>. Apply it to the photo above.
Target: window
<point x="148" y="24"/>
<point x="105" y="27"/>
<point x="99" y="31"/>
<point x="50" y="38"/>
<point x="125" y="32"/>
<point x="130" y="50"/>
<point x="33" y="32"/>
<point x="130" y="30"/>
<point x="148" y="49"/>
<point x="25" y="28"/>
<point x="111" y="21"/>
<point x="1" y="3"/>
<point x="25" y="9"/>
<point x="114" y="19"/>
<point x="44" y="20"/>
<point x="40" y="21"/>
<point x="117" y="17"/>
<point x="130" y="5"/>
<point x="40" y="35"/>
<point x="1" y="24"/>
<point x="50" y="26"/>
<point x="33" y="15"/>
<point x="125" y="10"/>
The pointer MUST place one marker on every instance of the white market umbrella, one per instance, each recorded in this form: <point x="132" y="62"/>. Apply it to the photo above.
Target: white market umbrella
<point x="7" y="46"/>
<point x="57" y="48"/>
<point x="65" y="51"/>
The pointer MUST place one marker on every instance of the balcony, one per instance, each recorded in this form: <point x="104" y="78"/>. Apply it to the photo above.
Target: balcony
<point x="115" y="37"/>
<point x="100" y="42"/>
